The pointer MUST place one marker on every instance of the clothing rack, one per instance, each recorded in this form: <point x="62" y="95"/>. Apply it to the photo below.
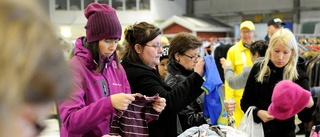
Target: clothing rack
<point x="308" y="39"/>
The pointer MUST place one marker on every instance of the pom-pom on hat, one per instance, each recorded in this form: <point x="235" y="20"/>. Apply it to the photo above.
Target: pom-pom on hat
<point x="102" y="23"/>
<point x="288" y="99"/>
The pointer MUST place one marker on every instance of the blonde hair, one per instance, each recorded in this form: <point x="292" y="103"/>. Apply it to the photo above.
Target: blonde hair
<point x="286" y="38"/>
<point x="33" y="69"/>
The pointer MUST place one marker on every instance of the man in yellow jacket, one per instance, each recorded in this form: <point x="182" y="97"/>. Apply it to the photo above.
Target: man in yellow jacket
<point x="240" y="56"/>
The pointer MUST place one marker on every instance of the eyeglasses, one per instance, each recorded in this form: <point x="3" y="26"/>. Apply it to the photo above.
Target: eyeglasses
<point x="156" y="47"/>
<point x="191" y="57"/>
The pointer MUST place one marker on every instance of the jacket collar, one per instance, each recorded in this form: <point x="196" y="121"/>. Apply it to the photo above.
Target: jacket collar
<point x="85" y="56"/>
<point x="259" y="59"/>
<point x="176" y="68"/>
<point x="273" y="67"/>
<point x="241" y="46"/>
<point x="137" y="64"/>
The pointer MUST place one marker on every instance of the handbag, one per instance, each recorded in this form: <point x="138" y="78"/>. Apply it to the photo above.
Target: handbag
<point x="248" y="125"/>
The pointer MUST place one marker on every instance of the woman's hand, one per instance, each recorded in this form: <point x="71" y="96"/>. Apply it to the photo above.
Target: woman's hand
<point x="121" y="101"/>
<point x="159" y="104"/>
<point x="230" y="105"/>
<point x="310" y="104"/>
<point x="224" y="63"/>
<point x="264" y="116"/>
<point x="199" y="68"/>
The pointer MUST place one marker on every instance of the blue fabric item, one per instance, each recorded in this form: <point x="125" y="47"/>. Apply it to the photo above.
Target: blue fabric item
<point x="214" y="101"/>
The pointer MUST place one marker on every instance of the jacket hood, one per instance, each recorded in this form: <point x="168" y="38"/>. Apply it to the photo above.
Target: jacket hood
<point x="85" y="55"/>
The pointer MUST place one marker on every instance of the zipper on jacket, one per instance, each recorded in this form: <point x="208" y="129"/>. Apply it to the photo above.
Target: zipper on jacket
<point x="105" y="88"/>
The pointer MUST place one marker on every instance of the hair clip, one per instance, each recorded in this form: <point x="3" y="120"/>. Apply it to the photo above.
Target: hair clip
<point x="129" y="28"/>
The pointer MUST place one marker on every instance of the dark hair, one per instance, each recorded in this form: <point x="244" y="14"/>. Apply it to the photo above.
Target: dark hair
<point x="139" y="33"/>
<point x="259" y="47"/>
<point x="181" y="43"/>
<point x="93" y="47"/>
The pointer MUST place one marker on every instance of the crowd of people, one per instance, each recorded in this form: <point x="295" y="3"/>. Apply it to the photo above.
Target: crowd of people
<point x="155" y="88"/>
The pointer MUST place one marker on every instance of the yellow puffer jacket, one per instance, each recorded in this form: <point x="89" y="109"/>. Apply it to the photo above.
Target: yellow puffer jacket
<point x="240" y="57"/>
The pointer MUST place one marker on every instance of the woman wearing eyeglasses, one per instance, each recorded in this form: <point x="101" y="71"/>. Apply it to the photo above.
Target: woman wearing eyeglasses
<point x="183" y="57"/>
<point x="142" y="55"/>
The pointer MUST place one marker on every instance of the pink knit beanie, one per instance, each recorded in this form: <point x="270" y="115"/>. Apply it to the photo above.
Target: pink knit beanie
<point x="102" y="23"/>
<point x="288" y="99"/>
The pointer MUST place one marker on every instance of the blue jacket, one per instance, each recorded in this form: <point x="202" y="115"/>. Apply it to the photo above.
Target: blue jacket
<point x="213" y="101"/>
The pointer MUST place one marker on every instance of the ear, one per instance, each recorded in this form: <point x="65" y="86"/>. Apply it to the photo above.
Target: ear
<point x="138" y="48"/>
<point x="177" y="56"/>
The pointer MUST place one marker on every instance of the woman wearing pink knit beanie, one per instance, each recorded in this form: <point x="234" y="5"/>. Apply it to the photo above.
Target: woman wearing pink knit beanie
<point x="285" y="99"/>
<point x="100" y="83"/>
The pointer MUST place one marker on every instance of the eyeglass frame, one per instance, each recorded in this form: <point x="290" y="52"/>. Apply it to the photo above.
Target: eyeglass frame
<point x="191" y="57"/>
<point x="159" y="46"/>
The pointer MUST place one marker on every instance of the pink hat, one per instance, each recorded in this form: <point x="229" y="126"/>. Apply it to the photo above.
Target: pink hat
<point x="103" y="22"/>
<point x="288" y="99"/>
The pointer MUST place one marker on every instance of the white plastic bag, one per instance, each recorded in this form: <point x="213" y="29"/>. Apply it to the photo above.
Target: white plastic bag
<point x="250" y="127"/>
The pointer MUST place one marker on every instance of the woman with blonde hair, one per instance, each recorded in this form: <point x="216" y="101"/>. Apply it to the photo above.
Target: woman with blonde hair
<point x="33" y="70"/>
<point x="280" y="63"/>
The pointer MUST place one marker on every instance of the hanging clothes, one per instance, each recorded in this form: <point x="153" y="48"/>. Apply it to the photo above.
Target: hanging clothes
<point x="213" y="101"/>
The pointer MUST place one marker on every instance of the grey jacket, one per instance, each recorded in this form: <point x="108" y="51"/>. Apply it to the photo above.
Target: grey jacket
<point x="240" y="80"/>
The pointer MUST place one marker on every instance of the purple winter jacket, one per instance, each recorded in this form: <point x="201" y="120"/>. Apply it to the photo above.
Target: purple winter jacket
<point x="88" y="112"/>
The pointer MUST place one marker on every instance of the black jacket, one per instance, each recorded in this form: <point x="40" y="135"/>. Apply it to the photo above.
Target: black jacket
<point x="145" y="80"/>
<point x="259" y="95"/>
<point x="192" y="115"/>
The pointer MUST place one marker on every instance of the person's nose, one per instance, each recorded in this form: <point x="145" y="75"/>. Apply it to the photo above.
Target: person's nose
<point x="160" y="49"/>
<point x="113" y="46"/>
<point x="281" y="56"/>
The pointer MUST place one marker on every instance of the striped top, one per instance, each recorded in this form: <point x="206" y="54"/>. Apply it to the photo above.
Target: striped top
<point x="133" y="122"/>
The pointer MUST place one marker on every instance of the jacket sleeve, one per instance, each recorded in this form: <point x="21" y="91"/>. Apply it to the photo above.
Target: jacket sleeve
<point x="193" y="116"/>
<point x="248" y="97"/>
<point x="178" y="97"/>
<point x="76" y="116"/>
<point x="236" y="81"/>
<point x="315" y="92"/>
<point x="229" y="93"/>
<point x="171" y="80"/>
<point x="306" y="115"/>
